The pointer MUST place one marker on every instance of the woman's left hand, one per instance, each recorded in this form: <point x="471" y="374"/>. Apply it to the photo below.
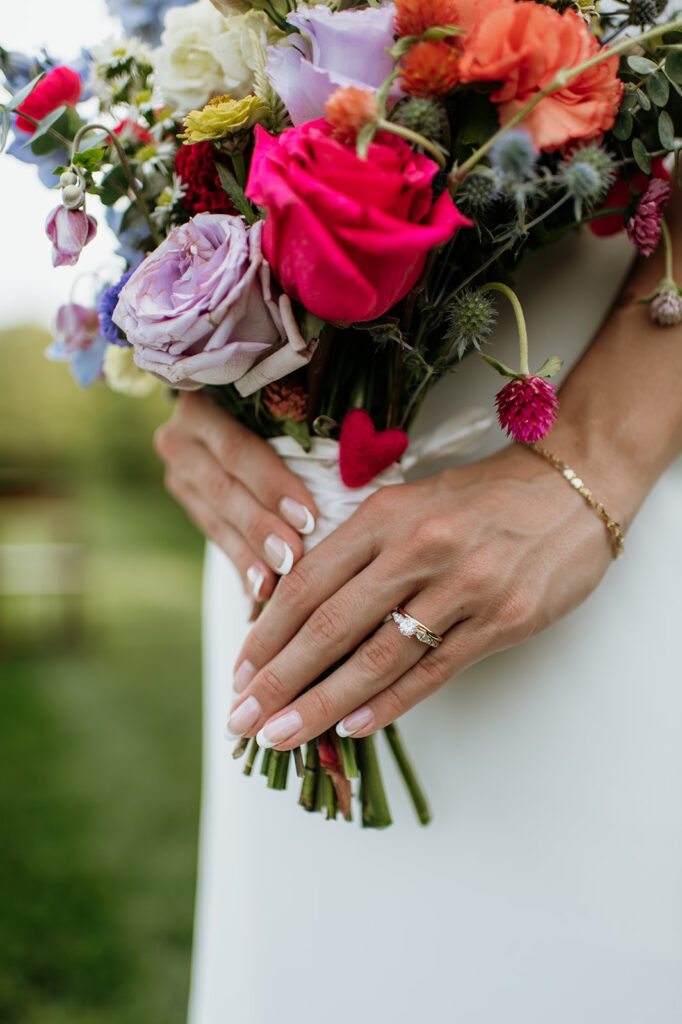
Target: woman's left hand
<point x="485" y="555"/>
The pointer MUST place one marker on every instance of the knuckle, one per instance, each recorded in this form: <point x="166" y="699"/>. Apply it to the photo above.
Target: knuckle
<point x="377" y="656"/>
<point x="217" y="487"/>
<point x="395" y="704"/>
<point x="321" y="704"/>
<point x="518" y="614"/>
<point x="435" y="534"/>
<point x="294" y="585"/>
<point x="271" y="685"/>
<point x="228" y="446"/>
<point x="163" y="440"/>
<point x="432" y="671"/>
<point x="326" y="624"/>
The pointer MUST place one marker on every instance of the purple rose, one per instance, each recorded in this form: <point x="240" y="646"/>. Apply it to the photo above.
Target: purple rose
<point x="200" y="309"/>
<point x="78" y="342"/>
<point x="335" y="48"/>
<point x="69" y="231"/>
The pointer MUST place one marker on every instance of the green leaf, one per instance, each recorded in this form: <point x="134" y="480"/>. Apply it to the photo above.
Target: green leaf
<point x="310" y="325"/>
<point x="658" y="89"/>
<point x="236" y="194"/>
<point x="623" y="125"/>
<point x="643" y="99"/>
<point x="666" y="130"/>
<point x="550" y="367"/>
<point x="4" y="128"/>
<point x="91" y="158"/>
<point x="642" y="65"/>
<point x="43" y="128"/>
<point x="502" y="368"/>
<point x="673" y="66"/>
<point x="112" y="186"/>
<point x="299" y="432"/>
<point x="19" y="97"/>
<point x="67" y="125"/>
<point x="641" y="156"/>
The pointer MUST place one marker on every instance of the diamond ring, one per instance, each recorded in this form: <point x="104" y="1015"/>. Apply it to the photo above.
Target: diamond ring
<point x="411" y="627"/>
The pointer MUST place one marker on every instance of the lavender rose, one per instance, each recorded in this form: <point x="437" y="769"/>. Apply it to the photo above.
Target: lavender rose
<point x="200" y="309"/>
<point x="335" y="48"/>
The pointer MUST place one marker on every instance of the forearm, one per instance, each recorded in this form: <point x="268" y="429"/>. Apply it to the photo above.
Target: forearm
<point x="620" y="420"/>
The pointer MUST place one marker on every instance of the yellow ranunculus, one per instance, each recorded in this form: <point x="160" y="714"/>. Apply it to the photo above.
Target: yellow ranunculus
<point x="122" y="375"/>
<point x="222" y="116"/>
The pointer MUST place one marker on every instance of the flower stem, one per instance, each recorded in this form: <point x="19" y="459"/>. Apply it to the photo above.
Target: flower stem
<point x="560" y="81"/>
<point x="406" y="769"/>
<point x="50" y="131"/>
<point x="375" y="810"/>
<point x="497" y="286"/>
<point x="668" y="249"/>
<point x="251" y="757"/>
<point x="307" y="797"/>
<point x="127" y="170"/>
<point x="414" y="137"/>
<point x="350" y="765"/>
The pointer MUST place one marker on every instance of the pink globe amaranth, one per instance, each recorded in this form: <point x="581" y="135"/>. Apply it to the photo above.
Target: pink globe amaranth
<point x="69" y="231"/>
<point x="201" y="308"/>
<point x="644" y="227"/>
<point x="526" y="408"/>
<point x="347" y="237"/>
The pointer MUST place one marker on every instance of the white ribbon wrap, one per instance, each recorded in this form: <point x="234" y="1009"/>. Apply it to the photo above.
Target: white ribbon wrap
<point x="319" y="468"/>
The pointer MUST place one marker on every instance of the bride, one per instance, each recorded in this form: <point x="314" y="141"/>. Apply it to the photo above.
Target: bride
<point x="548" y="887"/>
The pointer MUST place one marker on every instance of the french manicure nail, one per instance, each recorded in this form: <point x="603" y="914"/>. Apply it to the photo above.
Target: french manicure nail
<point x="280" y="555"/>
<point x="246" y="715"/>
<point x="354" y="722"/>
<point x="255" y="577"/>
<point x="297" y="515"/>
<point x="279" y="730"/>
<point x="243" y="676"/>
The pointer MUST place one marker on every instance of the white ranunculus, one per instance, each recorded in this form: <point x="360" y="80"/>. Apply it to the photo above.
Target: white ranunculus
<point x="204" y="53"/>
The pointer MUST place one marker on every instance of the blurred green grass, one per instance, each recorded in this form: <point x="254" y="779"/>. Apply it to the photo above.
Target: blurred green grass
<point x="99" y="736"/>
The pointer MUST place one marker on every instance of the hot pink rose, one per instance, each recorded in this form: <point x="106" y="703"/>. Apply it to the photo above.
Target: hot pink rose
<point x="347" y="237"/>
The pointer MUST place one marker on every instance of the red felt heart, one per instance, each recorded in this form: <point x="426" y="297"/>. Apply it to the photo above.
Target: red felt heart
<point x="365" y="452"/>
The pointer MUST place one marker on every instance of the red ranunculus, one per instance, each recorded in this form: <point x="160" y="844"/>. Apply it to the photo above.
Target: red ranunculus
<point x="60" y="87"/>
<point x="347" y="237"/>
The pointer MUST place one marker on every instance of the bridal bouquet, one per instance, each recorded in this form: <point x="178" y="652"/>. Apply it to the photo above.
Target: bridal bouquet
<point x="317" y="206"/>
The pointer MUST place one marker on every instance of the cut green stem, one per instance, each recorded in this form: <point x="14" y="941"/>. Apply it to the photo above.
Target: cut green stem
<point x="375" y="809"/>
<point x="406" y="769"/>
<point x="251" y="757"/>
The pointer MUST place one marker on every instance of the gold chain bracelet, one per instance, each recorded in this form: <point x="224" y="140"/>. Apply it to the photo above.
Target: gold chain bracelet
<point x="574" y="480"/>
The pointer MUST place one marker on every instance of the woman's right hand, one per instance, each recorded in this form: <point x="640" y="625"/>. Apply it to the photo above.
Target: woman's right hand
<point x="236" y="489"/>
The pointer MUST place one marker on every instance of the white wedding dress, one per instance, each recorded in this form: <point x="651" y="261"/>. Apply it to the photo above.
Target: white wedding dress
<point x="548" y="889"/>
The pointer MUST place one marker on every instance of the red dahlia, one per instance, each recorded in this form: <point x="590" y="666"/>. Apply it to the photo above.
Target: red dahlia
<point x="526" y="408"/>
<point x="195" y="166"/>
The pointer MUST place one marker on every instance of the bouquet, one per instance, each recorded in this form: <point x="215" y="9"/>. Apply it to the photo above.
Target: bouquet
<point x="317" y="209"/>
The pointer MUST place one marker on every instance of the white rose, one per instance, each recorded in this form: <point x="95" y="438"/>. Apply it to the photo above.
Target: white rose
<point x="204" y="54"/>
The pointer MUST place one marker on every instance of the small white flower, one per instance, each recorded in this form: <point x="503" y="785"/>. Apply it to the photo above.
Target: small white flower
<point x="123" y="376"/>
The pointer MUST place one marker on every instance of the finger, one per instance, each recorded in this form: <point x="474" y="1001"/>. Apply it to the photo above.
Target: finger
<point x="464" y="645"/>
<point x="379" y="661"/>
<point x="238" y="450"/>
<point x="264" y="532"/>
<point x="312" y="581"/>
<point x="257" y="578"/>
<point x="332" y="632"/>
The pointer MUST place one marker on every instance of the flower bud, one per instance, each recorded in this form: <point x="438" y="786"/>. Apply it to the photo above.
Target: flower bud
<point x="73" y="196"/>
<point x="666" y="309"/>
<point x="471" y="318"/>
<point x="477" y="193"/>
<point x="421" y="115"/>
<point x="68" y="178"/>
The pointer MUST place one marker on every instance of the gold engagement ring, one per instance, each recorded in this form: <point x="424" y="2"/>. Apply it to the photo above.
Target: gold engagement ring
<point x="412" y="627"/>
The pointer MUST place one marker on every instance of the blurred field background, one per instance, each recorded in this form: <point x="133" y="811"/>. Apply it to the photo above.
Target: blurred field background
<point x="99" y="704"/>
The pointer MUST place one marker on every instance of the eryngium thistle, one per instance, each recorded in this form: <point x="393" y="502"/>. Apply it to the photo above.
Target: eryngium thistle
<point x="644" y="12"/>
<point x="513" y="155"/>
<point x="589" y="174"/>
<point x="644" y="227"/>
<point x="526" y="408"/>
<point x="420" y="115"/>
<point x="477" y="193"/>
<point x="470" y="320"/>
<point x="666" y="309"/>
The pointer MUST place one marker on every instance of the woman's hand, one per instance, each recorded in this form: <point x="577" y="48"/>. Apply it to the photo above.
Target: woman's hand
<point x="486" y="555"/>
<point x="236" y="489"/>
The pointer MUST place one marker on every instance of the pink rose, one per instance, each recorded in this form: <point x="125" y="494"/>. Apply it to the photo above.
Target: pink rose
<point x="69" y="231"/>
<point x="347" y="237"/>
<point x="200" y="309"/>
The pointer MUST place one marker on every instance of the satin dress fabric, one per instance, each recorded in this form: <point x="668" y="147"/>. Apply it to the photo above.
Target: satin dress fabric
<point x="549" y="886"/>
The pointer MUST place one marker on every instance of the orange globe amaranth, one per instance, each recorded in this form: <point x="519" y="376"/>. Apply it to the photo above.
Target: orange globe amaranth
<point x="430" y="68"/>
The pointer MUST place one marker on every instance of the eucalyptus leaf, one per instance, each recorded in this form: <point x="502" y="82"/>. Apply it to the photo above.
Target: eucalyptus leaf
<point x="112" y="186"/>
<point x="44" y="127"/>
<point x="19" y="97"/>
<point x="623" y="125"/>
<point x="673" y="66"/>
<point x="666" y="130"/>
<point x="236" y="193"/>
<point x="643" y="99"/>
<point x="550" y="367"/>
<point x="4" y="128"/>
<point x="502" y="368"/>
<point x="642" y="65"/>
<point x="641" y="156"/>
<point x="299" y="432"/>
<point x="658" y="89"/>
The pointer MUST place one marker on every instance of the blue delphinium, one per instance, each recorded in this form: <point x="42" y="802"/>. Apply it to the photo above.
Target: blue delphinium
<point x="105" y="308"/>
<point x="143" y="18"/>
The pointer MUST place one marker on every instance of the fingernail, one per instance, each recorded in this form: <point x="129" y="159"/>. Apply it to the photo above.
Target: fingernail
<point x="279" y="730"/>
<point x="353" y="723"/>
<point x="243" y="676"/>
<point x="246" y="715"/>
<point x="297" y="515"/>
<point x="280" y="555"/>
<point x="255" y="577"/>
